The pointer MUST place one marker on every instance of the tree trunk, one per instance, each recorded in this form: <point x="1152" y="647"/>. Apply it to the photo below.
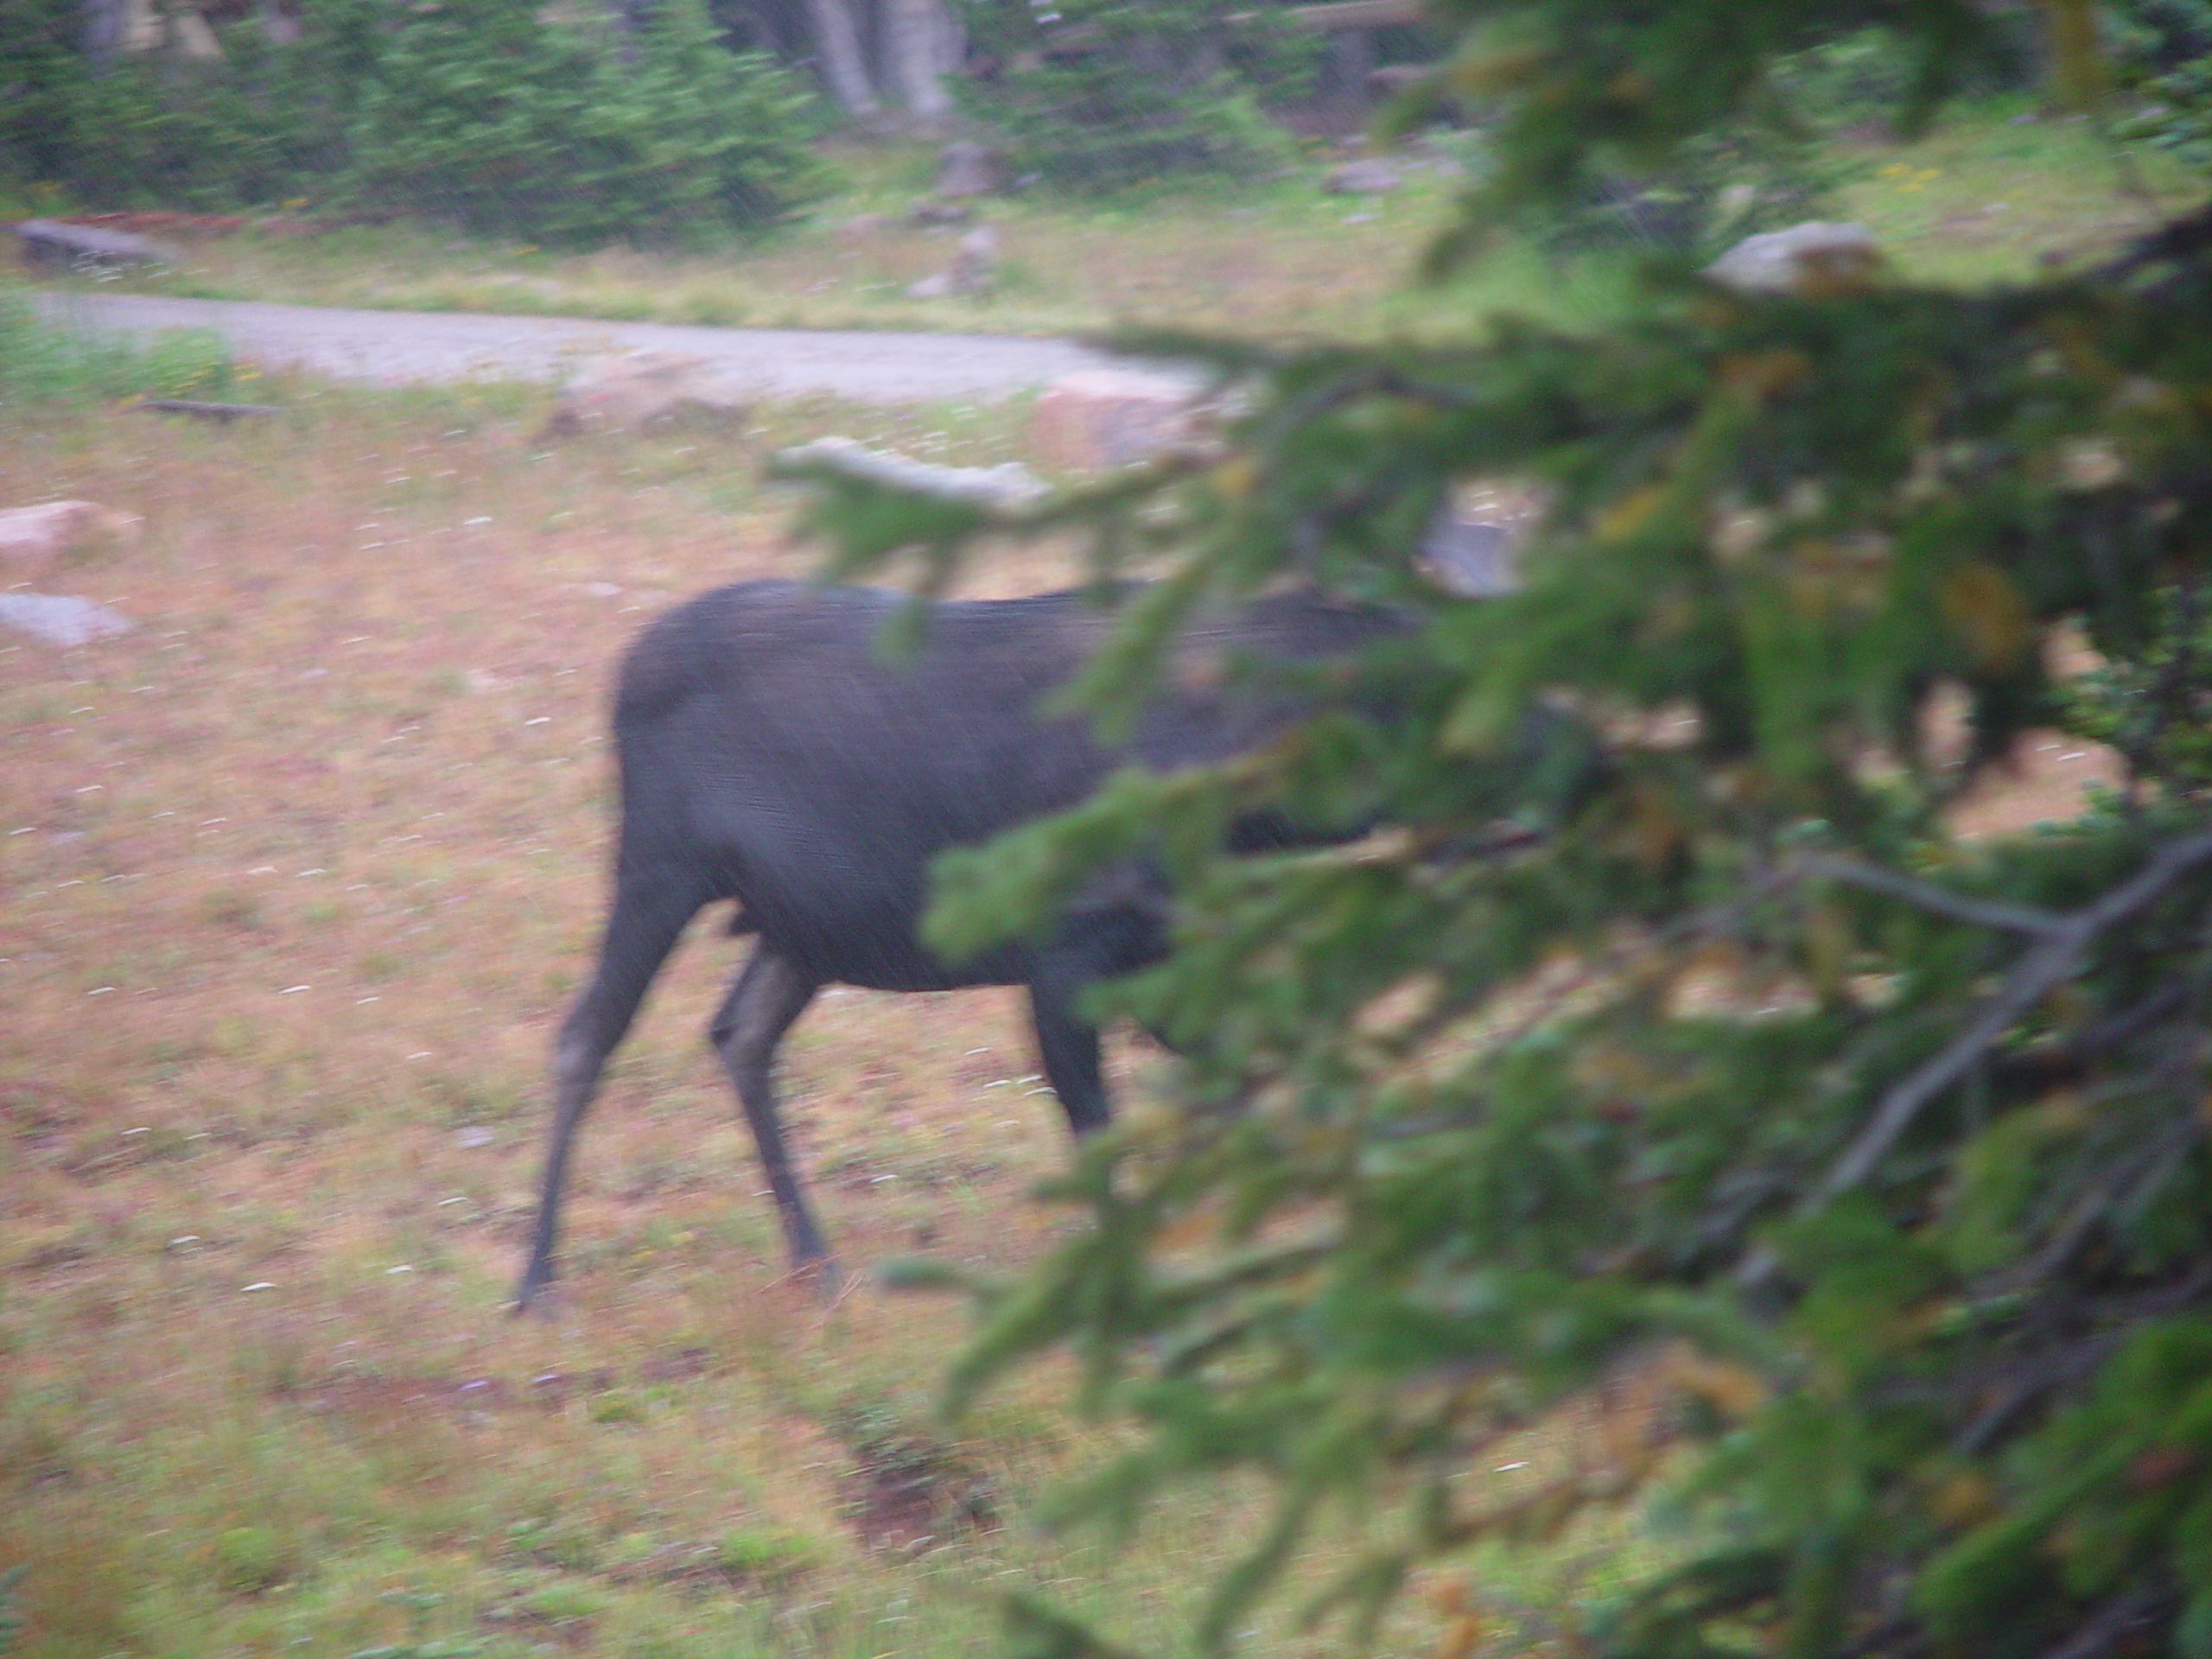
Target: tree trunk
<point x="837" y="39"/>
<point x="104" y="25"/>
<point x="916" y="37"/>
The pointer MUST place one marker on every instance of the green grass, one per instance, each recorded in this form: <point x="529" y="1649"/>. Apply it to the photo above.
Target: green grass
<point x="1285" y="257"/>
<point x="1990" y="195"/>
<point x="1985" y="197"/>
<point x="39" y="364"/>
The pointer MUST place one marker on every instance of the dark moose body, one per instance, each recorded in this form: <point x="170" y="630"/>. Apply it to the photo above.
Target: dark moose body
<point x="770" y="753"/>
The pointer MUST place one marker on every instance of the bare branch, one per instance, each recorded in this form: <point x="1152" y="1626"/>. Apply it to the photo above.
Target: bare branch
<point x="1926" y="896"/>
<point x="2037" y="974"/>
<point x="2112" y="1187"/>
<point x="2039" y="971"/>
<point x="2110" y="1624"/>
<point x="2064" y="1367"/>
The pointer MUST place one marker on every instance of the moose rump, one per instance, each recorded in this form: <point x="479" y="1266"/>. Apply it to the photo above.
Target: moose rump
<point x="770" y="755"/>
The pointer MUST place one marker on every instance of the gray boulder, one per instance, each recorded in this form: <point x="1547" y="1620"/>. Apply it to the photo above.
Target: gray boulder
<point x="31" y="538"/>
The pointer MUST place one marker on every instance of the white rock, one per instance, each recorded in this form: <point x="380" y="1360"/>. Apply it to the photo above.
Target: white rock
<point x="61" y="619"/>
<point x="636" y="388"/>
<point x="1006" y="486"/>
<point x="1813" y="253"/>
<point x="1110" y="417"/>
<point x="31" y="538"/>
<point x="1471" y="561"/>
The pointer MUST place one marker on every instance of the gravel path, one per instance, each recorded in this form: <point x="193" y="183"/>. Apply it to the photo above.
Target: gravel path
<point x="391" y="347"/>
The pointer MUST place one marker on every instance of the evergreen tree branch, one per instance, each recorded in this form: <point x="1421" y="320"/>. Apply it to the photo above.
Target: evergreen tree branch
<point x="1926" y="896"/>
<point x="2044" y="969"/>
<point x="2110" y="1624"/>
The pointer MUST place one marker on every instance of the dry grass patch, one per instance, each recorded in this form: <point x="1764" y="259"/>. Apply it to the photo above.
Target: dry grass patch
<point x="297" y="878"/>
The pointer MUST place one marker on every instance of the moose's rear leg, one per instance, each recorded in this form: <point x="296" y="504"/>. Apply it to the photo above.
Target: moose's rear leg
<point x="1068" y="1045"/>
<point x="648" y="917"/>
<point x="769" y="994"/>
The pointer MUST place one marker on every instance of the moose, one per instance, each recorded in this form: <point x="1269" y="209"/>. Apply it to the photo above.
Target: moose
<point x="770" y="753"/>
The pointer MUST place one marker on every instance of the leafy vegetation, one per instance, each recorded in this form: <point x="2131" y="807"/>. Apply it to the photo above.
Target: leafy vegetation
<point x="1112" y="94"/>
<point x="484" y="116"/>
<point x="41" y="363"/>
<point x="1676" y="1064"/>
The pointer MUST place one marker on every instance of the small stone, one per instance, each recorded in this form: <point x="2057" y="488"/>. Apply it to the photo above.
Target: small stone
<point x="942" y="215"/>
<point x="967" y="169"/>
<point x="473" y="1137"/>
<point x="974" y="262"/>
<point x="1471" y="561"/>
<point x="1472" y="548"/>
<point x="1368" y="176"/>
<point x="61" y="619"/>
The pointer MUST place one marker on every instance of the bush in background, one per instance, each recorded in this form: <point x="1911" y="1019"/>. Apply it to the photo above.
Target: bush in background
<point x="481" y="114"/>
<point x="486" y="115"/>
<point x="1099" y="97"/>
<point x="2165" y="48"/>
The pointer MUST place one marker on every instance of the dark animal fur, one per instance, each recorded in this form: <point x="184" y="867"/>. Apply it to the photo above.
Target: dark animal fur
<point x="770" y="754"/>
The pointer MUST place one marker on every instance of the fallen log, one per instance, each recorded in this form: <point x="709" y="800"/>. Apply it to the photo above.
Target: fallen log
<point x="206" y="411"/>
<point x="57" y="241"/>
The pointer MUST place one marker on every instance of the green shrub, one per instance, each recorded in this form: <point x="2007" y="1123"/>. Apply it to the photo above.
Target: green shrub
<point x="265" y="124"/>
<point x="2178" y="117"/>
<point x="485" y="114"/>
<point x="1863" y="74"/>
<point x="1154" y="92"/>
<point x="42" y="78"/>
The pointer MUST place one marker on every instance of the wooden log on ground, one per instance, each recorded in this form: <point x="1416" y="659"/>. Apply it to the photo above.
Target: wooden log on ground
<point x="204" y="410"/>
<point x="57" y="241"/>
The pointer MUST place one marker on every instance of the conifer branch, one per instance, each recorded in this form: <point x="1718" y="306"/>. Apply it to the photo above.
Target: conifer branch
<point x="2042" y="970"/>
<point x="1926" y="896"/>
<point x="2110" y="1624"/>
